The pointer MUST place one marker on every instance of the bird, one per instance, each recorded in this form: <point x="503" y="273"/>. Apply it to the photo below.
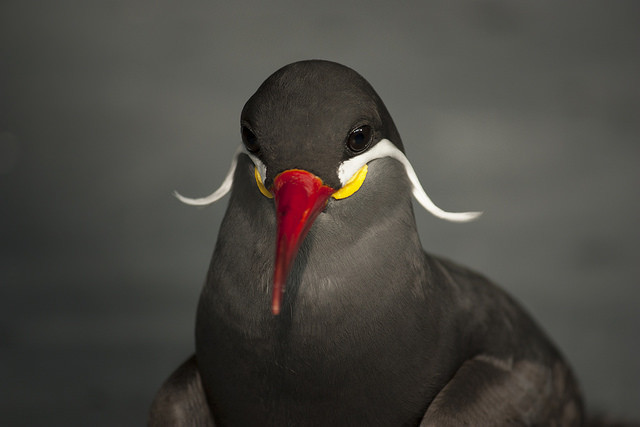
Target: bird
<point x="320" y="305"/>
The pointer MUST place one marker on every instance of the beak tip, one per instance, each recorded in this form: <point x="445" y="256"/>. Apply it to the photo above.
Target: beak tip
<point x="275" y="308"/>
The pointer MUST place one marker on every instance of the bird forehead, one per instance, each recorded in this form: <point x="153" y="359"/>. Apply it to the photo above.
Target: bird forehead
<point x="312" y="109"/>
<point x="311" y="88"/>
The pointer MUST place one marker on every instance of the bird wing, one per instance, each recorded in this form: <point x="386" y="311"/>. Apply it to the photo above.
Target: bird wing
<point x="490" y="391"/>
<point x="181" y="400"/>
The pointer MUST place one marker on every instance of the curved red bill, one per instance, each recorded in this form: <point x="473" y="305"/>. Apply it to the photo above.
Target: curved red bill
<point x="300" y="196"/>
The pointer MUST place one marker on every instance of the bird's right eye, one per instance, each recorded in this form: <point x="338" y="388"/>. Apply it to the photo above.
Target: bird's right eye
<point x="250" y="140"/>
<point x="359" y="138"/>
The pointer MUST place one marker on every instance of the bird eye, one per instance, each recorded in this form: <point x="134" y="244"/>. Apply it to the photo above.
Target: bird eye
<point x="250" y="140"/>
<point x="359" y="138"/>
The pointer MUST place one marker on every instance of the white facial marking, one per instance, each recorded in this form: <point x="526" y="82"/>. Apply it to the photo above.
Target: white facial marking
<point x="220" y="192"/>
<point x="262" y="169"/>
<point x="385" y="148"/>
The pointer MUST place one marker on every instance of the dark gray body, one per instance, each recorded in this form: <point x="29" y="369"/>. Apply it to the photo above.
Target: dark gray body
<point x="373" y="331"/>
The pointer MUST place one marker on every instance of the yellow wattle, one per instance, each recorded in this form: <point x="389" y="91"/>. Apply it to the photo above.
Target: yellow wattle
<point x="261" y="186"/>
<point x="353" y="185"/>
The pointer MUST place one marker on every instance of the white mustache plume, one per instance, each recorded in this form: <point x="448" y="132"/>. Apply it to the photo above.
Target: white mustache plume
<point x="384" y="148"/>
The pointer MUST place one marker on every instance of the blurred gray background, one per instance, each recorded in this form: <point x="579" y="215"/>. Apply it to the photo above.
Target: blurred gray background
<point x="526" y="110"/>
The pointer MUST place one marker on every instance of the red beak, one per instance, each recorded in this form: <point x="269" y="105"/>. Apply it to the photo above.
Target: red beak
<point x="300" y="196"/>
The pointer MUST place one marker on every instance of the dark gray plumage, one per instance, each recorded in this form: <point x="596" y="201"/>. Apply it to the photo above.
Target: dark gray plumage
<point x="373" y="331"/>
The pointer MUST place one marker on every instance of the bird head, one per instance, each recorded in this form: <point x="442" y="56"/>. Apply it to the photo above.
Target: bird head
<point x="311" y="130"/>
